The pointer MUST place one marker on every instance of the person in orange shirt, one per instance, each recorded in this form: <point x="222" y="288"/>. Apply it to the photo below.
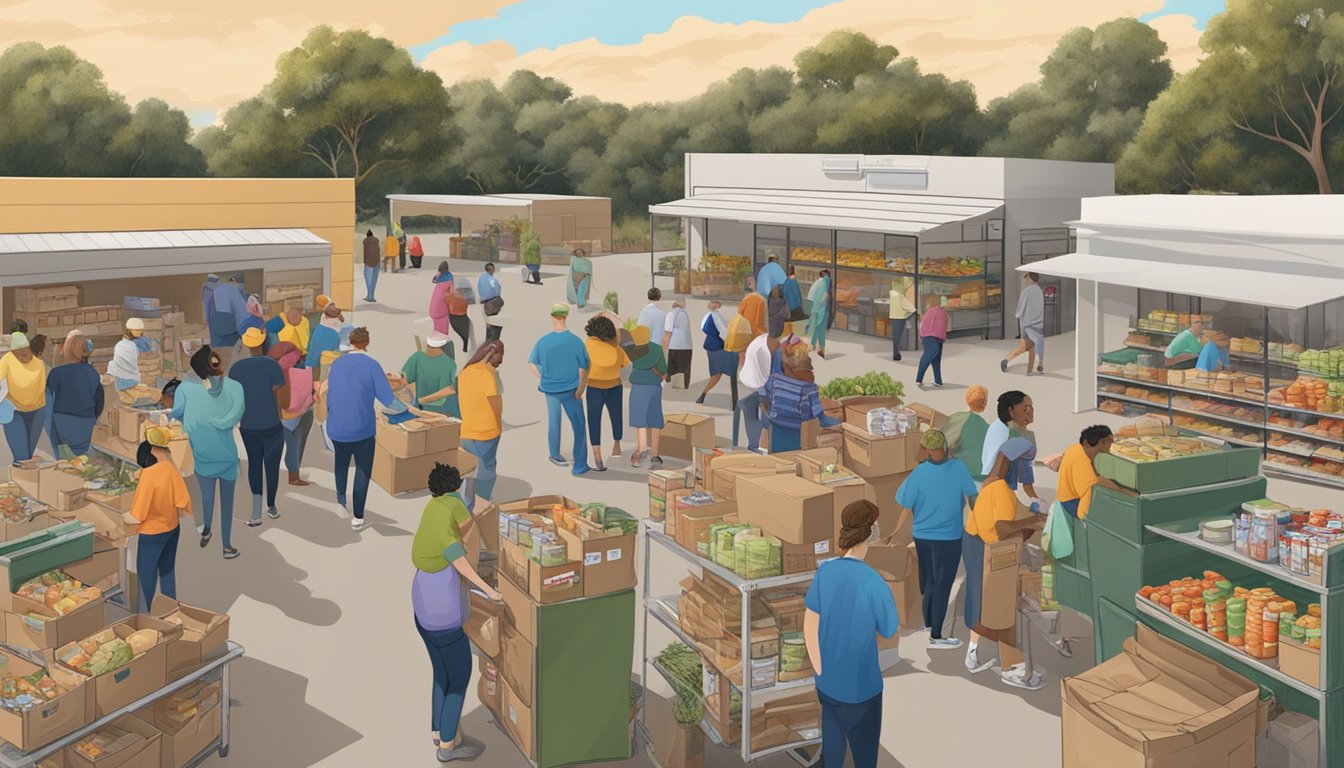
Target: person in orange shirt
<point x="161" y="498"/>
<point x="1077" y="475"/>
<point x="752" y="307"/>
<point x="482" y="419"/>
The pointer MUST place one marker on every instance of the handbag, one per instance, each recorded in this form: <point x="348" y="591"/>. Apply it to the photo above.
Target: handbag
<point x="1058" y="538"/>
<point x="493" y="305"/>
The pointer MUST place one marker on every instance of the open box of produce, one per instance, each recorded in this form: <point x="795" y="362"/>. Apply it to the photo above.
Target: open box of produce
<point x="1150" y="462"/>
<point x="37" y="553"/>
<point x="124" y="662"/>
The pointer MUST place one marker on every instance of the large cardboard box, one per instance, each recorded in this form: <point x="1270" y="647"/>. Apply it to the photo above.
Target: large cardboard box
<point x="488" y="689"/>
<point x="845" y="492"/>
<point x="58" y="489"/>
<point x="145" y="673"/>
<point x="205" y="635"/>
<point x="857" y="408"/>
<point x="25" y="631"/>
<point x="140" y="747"/>
<point x="712" y="470"/>
<point x="483" y="624"/>
<point x="1298" y="661"/>
<point x="662" y="483"/>
<point x="998" y="595"/>
<point x="397" y="475"/>
<point x="517" y="720"/>
<point x="725" y="478"/>
<point x="906" y="591"/>
<point x="873" y="457"/>
<point x="62" y="715"/>
<point x="682" y="433"/>
<point x="1159" y="704"/>
<point x="519" y="611"/>
<point x="608" y="561"/>
<point x="517" y="660"/>
<point x="889" y="557"/>
<point x="694" y="521"/>
<point x="801" y="558"/>
<point x="928" y="416"/>
<point x="891" y="518"/>
<point x="107" y="521"/>
<point x="793" y="509"/>
<point x="428" y="433"/>
<point x="189" y="721"/>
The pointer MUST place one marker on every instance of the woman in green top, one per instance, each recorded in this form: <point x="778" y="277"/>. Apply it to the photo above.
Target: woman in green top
<point x="966" y="431"/>
<point x="440" y="555"/>
<point x="433" y="376"/>
<point x="647" y="365"/>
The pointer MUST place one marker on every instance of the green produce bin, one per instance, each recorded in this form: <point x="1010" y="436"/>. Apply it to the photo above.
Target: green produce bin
<point x="1112" y="625"/>
<point x="1122" y="356"/>
<point x="1073" y="589"/>
<point x="1120" y="569"/>
<point x="42" y="551"/>
<point x="585" y="651"/>
<point x="1125" y="514"/>
<point x="1183" y="472"/>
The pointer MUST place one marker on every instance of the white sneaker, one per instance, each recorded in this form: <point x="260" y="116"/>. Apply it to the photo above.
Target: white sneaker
<point x="200" y="530"/>
<point x="944" y="644"/>
<point x="343" y="510"/>
<point x="357" y="524"/>
<point x="973" y="663"/>
<point x="1016" y="677"/>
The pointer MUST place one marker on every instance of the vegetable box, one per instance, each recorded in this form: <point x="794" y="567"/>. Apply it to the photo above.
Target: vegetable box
<point x="1189" y="471"/>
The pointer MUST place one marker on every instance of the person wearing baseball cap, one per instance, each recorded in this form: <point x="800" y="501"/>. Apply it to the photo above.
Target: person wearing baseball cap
<point x="161" y="499"/>
<point x="432" y="375"/>
<point x="937" y="494"/>
<point x="125" y="365"/>
<point x="25" y="376"/>
<point x="264" y="394"/>
<point x="209" y="409"/>
<point x="560" y="362"/>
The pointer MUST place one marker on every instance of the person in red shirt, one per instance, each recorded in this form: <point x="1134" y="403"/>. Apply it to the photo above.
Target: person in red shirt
<point x="933" y="332"/>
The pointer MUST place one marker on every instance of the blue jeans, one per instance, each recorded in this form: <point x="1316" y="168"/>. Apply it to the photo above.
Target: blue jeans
<point x="23" y="432"/>
<point x="785" y="439"/>
<point x="296" y="440"/>
<point x="938" y="561"/>
<point x="857" y="727"/>
<point x="486" y="453"/>
<point x="370" y="282"/>
<point x="362" y="453"/>
<point x="573" y="409"/>
<point x="156" y="562"/>
<point x="611" y="399"/>
<point x="74" y="432"/>
<point x="264" y="449"/>
<point x="450" y="658"/>
<point x="750" y="408"/>
<point x="897" y="333"/>
<point x="207" y="485"/>
<point x="933" y="355"/>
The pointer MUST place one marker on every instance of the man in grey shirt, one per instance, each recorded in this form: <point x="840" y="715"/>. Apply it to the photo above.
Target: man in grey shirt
<point x="1031" y="316"/>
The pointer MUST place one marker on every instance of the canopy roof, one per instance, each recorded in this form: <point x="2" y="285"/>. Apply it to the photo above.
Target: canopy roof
<point x="866" y="212"/>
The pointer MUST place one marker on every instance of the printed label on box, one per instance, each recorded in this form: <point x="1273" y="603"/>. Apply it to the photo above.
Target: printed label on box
<point x="592" y="558"/>
<point x="822" y="547"/>
<point x="560" y="580"/>
<point x="513" y="714"/>
<point x="613" y="554"/>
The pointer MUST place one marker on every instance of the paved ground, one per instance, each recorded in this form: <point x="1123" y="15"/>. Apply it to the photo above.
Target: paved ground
<point x="335" y="674"/>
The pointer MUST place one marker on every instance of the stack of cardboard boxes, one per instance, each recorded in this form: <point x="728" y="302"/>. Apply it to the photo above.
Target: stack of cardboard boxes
<point x="406" y="452"/>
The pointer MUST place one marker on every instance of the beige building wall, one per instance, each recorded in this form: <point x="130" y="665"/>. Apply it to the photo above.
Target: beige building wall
<point x="591" y="219"/>
<point x="474" y="217"/>
<point x="325" y="207"/>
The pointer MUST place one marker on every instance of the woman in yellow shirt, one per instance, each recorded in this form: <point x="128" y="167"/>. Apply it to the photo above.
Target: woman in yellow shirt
<point x="161" y="498"/>
<point x="1077" y="475"/>
<point x="994" y="518"/>
<point x="25" y="376"/>
<point x="482" y="417"/>
<point x="606" y="359"/>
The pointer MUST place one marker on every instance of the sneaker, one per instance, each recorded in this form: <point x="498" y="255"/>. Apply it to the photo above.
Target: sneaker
<point x="559" y="461"/>
<point x="254" y="523"/>
<point x="357" y="524"/>
<point x="944" y="644"/>
<point x="656" y="461"/>
<point x="230" y="553"/>
<point x="273" y="513"/>
<point x="463" y="751"/>
<point x="598" y="467"/>
<point x="205" y="537"/>
<point x="1017" y="677"/>
<point x="973" y="663"/>
<point x="200" y="529"/>
<point x="700" y="400"/>
<point x="1003" y="366"/>
<point x="344" y="511"/>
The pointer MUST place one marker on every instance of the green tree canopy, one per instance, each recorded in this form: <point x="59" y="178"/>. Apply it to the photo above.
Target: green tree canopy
<point x="841" y="58"/>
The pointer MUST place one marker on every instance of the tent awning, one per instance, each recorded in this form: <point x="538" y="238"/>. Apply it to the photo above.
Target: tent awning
<point x="1279" y="290"/>
<point x="892" y="214"/>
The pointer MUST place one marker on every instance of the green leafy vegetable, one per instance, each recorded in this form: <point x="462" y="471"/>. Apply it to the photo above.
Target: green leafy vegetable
<point x="872" y="384"/>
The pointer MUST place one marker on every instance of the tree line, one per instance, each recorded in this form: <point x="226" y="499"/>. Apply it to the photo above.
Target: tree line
<point x="1256" y="115"/>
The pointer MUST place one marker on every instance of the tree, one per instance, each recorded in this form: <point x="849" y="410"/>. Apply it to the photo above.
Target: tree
<point x="255" y="139"/>
<point x="1276" y="65"/>
<point x="901" y="111"/>
<point x="841" y="58"/>
<point x="358" y="103"/>
<point x="1095" y="87"/>
<point x="155" y="143"/>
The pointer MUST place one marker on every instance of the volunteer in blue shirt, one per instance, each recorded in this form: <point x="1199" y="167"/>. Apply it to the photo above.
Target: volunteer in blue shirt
<point x="264" y="394"/>
<point x="491" y="297"/>
<point x="355" y="381"/>
<point x="560" y="362"/>
<point x="937" y="494"/>
<point x="848" y="606"/>
<point x="76" y="396"/>
<point x="770" y="275"/>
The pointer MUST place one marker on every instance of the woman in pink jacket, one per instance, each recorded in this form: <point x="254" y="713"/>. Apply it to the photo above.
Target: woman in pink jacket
<point x="933" y="332"/>
<point x="438" y="300"/>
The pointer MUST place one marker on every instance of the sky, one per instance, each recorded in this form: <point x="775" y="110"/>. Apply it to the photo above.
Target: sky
<point x="204" y="57"/>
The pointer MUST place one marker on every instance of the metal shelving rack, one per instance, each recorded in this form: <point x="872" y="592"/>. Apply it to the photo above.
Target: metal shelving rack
<point x="664" y="611"/>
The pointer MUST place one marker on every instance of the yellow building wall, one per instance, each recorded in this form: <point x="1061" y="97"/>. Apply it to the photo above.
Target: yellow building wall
<point x="325" y="207"/>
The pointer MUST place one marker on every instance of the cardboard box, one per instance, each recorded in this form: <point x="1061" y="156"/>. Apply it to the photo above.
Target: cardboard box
<point x="857" y="408"/>
<point x="844" y="493"/>
<point x="907" y="594"/>
<point x="682" y="433"/>
<point x="801" y="558"/>
<point x="889" y="557"/>
<point x="873" y="457"/>
<point x="663" y="482"/>
<point x="22" y="630"/>
<point x="739" y="459"/>
<point x="694" y="521"/>
<point x="62" y="715"/>
<point x="517" y="661"/>
<point x="519" y="612"/>
<point x="115" y="502"/>
<point x="1300" y="662"/>
<point x="145" y="673"/>
<point x="108" y="521"/>
<point x="1290" y="741"/>
<point x="189" y="721"/>
<point x="998" y="596"/>
<point x="891" y="518"/>
<point x="402" y="441"/>
<point x="608" y="561"/>
<point x="205" y="635"/>
<point x="1159" y="704"/>
<point x="52" y="482"/>
<point x="793" y="509"/>
<point x="40" y="521"/>
<point x="483" y="624"/>
<point x="128" y="424"/>
<point x="548" y="584"/>
<point x="928" y="416"/>
<point x="140" y="747"/>
<point x="517" y="720"/>
<point x="725" y="478"/>
<point x="398" y="475"/>
<point x="488" y="689"/>
<point x="513" y="562"/>
<point x="28" y="476"/>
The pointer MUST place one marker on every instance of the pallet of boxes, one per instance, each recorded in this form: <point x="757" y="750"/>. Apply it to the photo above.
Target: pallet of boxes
<point x="560" y="647"/>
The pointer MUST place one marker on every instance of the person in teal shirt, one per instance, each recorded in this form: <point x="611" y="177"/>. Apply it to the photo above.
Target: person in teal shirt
<point x="848" y="606"/>
<point x="1187" y="345"/>
<point x="433" y="374"/>
<point x="819" y="301"/>
<point x="210" y="410"/>
<point x="560" y="361"/>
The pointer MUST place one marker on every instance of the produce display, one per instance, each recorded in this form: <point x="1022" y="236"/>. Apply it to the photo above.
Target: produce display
<point x="873" y="383"/>
<point x="1323" y="362"/>
<point x="20" y="694"/>
<point x="1327" y="468"/>
<point x="58" y="592"/>
<point x="949" y="266"/>
<point x="106" y="652"/>
<point x="15" y="507"/>
<point x="1214" y="429"/>
<point x="846" y="258"/>
<point x="1146" y="448"/>
<point x="683" y="668"/>
<point x="1250" y="620"/>
<point x="140" y="394"/>
<point x="667" y="264"/>
<point x="1311" y="394"/>
<point x="1163" y="321"/>
<point x="713" y="261"/>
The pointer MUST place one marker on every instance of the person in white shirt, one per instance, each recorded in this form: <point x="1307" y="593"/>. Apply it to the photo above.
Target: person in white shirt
<point x="755" y="370"/>
<point x="654" y="318"/>
<point x="721" y="361"/>
<point x="1031" y="316"/>
<point x="677" y="342"/>
<point x="125" y="365"/>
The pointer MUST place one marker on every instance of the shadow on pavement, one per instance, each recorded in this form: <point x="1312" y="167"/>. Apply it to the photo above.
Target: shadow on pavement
<point x="308" y="735"/>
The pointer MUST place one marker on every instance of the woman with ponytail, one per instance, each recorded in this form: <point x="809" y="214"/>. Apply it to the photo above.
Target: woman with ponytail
<point x="848" y="606"/>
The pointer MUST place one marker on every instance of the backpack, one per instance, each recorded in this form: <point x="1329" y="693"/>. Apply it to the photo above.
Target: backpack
<point x="787" y="412"/>
<point x="739" y="335"/>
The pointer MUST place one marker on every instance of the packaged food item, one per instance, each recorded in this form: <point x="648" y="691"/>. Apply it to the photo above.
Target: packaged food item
<point x="1242" y="535"/>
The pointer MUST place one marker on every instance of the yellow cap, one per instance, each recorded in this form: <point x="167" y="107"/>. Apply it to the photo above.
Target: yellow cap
<point x="158" y="437"/>
<point x="254" y="337"/>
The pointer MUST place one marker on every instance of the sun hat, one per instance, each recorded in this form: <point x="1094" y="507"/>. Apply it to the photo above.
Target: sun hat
<point x="934" y="440"/>
<point x="18" y="340"/>
<point x="254" y="338"/>
<point x="322" y="301"/>
<point x="437" y="340"/>
<point x="158" y="437"/>
<point x="559" y="310"/>
<point x="135" y="324"/>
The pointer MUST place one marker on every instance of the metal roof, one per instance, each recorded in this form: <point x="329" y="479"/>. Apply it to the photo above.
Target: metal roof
<point x="542" y="196"/>
<point x="498" y="201"/>
<point x="895" y="213"/>
<point x="73" y="242"/>
<point x="1262" y="216"/>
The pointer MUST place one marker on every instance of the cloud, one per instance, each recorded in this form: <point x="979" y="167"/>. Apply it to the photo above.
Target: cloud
<point x="998" y="46"/>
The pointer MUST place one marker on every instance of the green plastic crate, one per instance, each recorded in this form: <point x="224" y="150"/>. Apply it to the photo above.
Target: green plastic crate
<point x="1183" y="472"/>
<point x="1073" y="589"/>
<point x="1112" y="625"/>
<point x="1122" y="356"/>
<point x="1125" y="514"/>
<point x="42" y="551"/>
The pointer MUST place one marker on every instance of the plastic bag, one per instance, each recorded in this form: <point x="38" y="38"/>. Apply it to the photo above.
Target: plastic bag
<point x="1058" y="537"/>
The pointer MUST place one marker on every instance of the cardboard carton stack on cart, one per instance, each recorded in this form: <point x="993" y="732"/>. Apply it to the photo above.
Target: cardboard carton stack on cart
<point x="559" y="649"/>
<point x="406" y="452"/>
